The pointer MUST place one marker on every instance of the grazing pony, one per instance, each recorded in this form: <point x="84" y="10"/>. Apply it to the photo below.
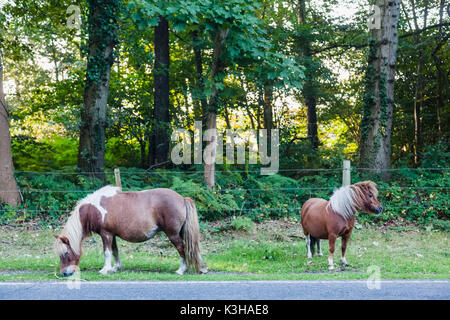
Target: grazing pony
<point x="322" y="219"/>
<point x="135" y="217"/>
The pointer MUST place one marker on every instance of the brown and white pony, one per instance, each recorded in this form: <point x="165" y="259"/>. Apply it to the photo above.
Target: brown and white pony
<point x="322" y="219"/>
<point x="135" y="217"/>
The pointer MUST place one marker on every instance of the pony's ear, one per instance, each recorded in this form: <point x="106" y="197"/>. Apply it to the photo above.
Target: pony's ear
<point x="62" y="238"/>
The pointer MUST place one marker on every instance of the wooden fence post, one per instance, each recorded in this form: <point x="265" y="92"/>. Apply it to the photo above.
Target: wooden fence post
<point x="346" y="179"/>
<point x="117" y="175"/>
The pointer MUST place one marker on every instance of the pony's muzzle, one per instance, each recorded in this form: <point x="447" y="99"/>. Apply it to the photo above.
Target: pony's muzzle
<point x="379" y="209"/>
<point x="68" y="272"/>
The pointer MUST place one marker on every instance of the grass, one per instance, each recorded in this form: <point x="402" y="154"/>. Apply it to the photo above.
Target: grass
<point x="271" y="250"/>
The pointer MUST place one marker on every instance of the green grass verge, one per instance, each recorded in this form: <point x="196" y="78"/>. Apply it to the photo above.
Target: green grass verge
<point x="273" y="251"/>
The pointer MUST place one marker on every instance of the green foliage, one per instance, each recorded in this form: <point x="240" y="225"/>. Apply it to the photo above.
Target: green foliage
<point x="49" y="154"/>
<point x="417" y="195"/>
<point x="243" y="224"/>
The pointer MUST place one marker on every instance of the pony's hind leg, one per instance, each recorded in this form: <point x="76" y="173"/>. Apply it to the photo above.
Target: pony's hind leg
<point x="107" y="249"/>
<point x="345" y="239"/>
<point x="319" y="248"/>
<point x="177" y="241"/>
<point x="115" y="251"/>
<point x="308" y="246"/>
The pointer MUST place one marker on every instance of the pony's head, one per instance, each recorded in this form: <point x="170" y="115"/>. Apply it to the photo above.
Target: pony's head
<point x="366" y="194"/>
<point x="68" y="245"/>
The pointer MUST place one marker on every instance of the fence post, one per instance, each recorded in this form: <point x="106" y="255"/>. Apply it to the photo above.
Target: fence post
<point x="346" y="180"/>
<point x="117" y="175"/>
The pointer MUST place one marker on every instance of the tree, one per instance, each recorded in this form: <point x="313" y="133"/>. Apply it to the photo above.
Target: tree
<point x="376" y="123"/>
<point x="211" y="125"/>
<point x="160" y="137"/>
<point x="8" y="184"/>
<point x="303" y="45"/>
<point x="102" y="32"/>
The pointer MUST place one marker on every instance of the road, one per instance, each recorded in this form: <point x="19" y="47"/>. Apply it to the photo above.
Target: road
<point x="228" y="290"/>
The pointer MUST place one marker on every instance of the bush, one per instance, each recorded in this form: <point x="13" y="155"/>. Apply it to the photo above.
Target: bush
<point x="243" y="224"/>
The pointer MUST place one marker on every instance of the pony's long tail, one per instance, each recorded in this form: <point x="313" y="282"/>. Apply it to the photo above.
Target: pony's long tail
<point x="191" y="237"/>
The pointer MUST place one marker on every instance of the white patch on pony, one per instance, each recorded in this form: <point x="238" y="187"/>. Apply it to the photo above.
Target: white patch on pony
<point x="107" y="267"/>
<point x="330" y="263"/>
<point x="308" y="246"/>
<point x="96" y="197"/>
<point x="183" y="267"/>
<point x="342" y="202"/>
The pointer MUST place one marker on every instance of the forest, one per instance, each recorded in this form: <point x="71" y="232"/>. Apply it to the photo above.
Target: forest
<point x="90" y="86"/>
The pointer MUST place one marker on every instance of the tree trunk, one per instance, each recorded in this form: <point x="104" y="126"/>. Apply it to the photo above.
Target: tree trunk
<point x="418" y="106"/>
<point x="418" y="96"/>
<point x="211" y="143"/>
<point x="308" y="90"/>
<point x="267" y="107"/>
<point x="199" y="77"/>
<point x="160" y="138"/>
<point x="7" y="182"/>
<point x="376" y="123"/>
<point x="102" y="40"/>
<point x="440" y="75"/>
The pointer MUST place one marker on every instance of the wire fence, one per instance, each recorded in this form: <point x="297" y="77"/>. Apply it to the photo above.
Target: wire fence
<point x="304" y="190"/>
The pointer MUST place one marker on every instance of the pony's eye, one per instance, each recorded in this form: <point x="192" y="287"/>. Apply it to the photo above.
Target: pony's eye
<point x="371" y="195"/>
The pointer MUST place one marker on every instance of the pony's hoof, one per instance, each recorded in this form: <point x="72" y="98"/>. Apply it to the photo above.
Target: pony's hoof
<point x="204" y="270"/>
<point x="116" y="268"/>
<point x="104" y="272"/>
<point x="346" y="265"/>
<point x="320" y="254"/>
<point x="180" y="272"/>
<point x="331" y="267"/>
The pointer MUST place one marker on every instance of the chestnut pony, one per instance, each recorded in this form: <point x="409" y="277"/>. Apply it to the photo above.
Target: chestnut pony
<point x="322" y="219"/>
<point x="132" y="216"/>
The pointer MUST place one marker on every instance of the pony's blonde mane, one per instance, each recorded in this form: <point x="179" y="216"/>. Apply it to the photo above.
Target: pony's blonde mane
<point x="342" y="202"/>
<point x="345" y="201"/>
<point x="73" y="229"/>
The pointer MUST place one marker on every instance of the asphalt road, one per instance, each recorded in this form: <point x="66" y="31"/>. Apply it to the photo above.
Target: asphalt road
<point x="228" y="290"/>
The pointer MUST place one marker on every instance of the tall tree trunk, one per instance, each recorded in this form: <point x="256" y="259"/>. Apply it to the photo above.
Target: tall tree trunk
<point x="309" y="87"/>
<point x="211" y="143"/>
<point x="7" y="182"/>
<point x="418" y="95"/>
<point x="376" y="123"/>
<point x="418" y="106"/>
<point x="440" y="76"/>
<point x="160" y="138"/>
<point x="102" y="40"/>
<point x="199" y="77"/>
<point x="268" y="111"/>
<point x="267" y="107"/>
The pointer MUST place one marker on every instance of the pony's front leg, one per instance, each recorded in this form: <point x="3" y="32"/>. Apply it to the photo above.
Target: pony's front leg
<point x="107" y="249"/>
<point x="332" y="241"/>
